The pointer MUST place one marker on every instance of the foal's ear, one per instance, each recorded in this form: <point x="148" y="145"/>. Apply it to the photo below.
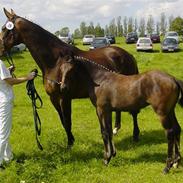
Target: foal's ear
<point x="8" y="14"/>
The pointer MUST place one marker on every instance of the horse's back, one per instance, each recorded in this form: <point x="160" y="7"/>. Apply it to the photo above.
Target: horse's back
<point x="113" y="58"/>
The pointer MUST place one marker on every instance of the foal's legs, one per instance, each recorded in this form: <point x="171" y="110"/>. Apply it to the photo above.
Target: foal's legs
<point x="117" y="124"/>
<point x="63" y="107"/>
<point x="105" y="119"/>
<point x="173" y="130"/>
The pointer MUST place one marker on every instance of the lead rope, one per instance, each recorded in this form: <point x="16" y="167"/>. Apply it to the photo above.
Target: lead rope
<point x="10" y="61"/>
<point x="34" y="96"/>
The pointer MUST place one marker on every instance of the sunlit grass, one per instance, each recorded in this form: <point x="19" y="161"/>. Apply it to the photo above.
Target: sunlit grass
<point x="134" y="162"/>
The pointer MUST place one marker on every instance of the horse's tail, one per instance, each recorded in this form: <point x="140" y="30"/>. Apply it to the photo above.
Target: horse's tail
<point x="180" y="85"/>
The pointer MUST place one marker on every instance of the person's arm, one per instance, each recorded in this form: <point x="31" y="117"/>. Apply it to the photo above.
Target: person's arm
<point x="14" y="81"/>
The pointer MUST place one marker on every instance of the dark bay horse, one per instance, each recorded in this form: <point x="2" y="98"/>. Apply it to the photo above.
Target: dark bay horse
<point x="111" y="91"/>
<point x="46" y="49"/>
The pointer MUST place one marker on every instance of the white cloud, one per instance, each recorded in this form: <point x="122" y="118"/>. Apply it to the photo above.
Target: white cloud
<point x="54" y="14"/>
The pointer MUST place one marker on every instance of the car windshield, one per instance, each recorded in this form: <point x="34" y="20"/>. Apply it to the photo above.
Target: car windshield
<point x="172" y="34"/>
<point x="144" y="41"/>
<point x="88" y="36"/>
<point x="131" y="34"/>
<point x="170" y="41"/>
<point x="99" y="41"/>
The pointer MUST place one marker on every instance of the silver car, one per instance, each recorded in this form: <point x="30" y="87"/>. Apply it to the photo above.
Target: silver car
<point x="144" y="44"/>
<point x="88" y="39"/>
<point x="169" y="44"/>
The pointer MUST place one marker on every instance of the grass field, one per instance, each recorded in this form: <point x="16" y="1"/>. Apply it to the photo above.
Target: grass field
<point x="140" y="162"/>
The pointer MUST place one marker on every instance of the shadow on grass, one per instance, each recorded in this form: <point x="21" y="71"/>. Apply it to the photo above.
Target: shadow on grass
<point x="146" y="138"/>
<point x="55" y="155"/>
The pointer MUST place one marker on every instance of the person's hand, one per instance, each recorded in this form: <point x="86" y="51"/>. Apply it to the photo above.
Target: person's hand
<point x="31" y="76"/>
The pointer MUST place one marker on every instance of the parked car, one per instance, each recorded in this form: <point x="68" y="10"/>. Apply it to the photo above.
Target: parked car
<point x="88" y="39"/>
<point x="99" y="42"/>
<point x="172" y="34"/>
<point x="67" y="38"/>
<point x="155" y="38"/>
<point x="170" y="44"/>
<point x="131" y="37"/>
<point x="18" y="48"/>
<point x="111" y="39"/>
<point x="144" y="44"/>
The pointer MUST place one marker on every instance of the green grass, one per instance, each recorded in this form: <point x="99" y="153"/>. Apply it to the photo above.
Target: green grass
<point x="134" y="162"/>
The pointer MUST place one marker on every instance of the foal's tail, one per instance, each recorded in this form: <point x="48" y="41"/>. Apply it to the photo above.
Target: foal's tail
<point x="180" y="85"/>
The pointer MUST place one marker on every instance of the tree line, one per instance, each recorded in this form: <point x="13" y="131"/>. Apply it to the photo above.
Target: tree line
<point x="120" y="27"/>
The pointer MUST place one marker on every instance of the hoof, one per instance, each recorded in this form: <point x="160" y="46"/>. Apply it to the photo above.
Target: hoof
<point x="135" y="139"/>
<point x="166" y="170"/>
<point x="175" y="165"/>
<point x="105" y="162"/>
<point x="115" y="131"/>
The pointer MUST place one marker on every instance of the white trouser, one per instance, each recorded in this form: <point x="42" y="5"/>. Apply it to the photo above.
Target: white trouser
<point x="5" y="129"/>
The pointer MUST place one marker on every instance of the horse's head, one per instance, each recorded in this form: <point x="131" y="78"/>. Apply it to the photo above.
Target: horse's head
<point x="10" y="35"/>
<point x="67" y="70"/>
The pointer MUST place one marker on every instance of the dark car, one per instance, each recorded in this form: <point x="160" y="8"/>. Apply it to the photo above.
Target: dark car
<point x="111" y="39"/>
<point x="155" y="38"/>
<point x="131" y="37"/>
<point x="170" y="44"/>
<point x="99" y="42"/>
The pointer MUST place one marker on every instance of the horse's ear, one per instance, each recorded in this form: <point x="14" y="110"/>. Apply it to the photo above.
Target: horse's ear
<point x="8" y="14"/>
<point x="12" y="12"/>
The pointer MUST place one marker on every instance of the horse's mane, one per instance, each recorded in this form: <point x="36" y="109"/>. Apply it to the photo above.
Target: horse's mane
<point x="84" y="61"/>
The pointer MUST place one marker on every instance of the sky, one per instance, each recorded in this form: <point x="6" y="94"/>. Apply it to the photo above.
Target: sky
<point x="53" y="15"/>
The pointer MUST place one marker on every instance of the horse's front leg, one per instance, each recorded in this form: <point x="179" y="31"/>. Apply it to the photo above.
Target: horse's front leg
<point x="105" y="119"/>
<point x="63" y="107"/>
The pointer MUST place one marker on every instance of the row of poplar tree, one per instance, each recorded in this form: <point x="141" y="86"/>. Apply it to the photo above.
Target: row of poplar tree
<point x="120" y="27"/>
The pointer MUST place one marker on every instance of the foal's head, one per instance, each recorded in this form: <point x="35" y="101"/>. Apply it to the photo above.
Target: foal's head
<point x="67" y="71"/>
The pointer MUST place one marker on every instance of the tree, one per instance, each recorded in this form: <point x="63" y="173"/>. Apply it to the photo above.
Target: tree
<point x="170" y="19"/>
<point x="177" y="25"/>
<point x="57" y="33"/>
<point x="157" y="28"/>
<point x="125" y="25"/>
<point x="130" y="24"/>
<point x="119" y="26"/>
<point x="150" y="25"/>
<point x="91" y="29"/>
<point x="64" y="31"/>
<point x="163" y="23"/>
<point x="112" y="27"/>
<point x="83" y="28"/>
<point x="99" y="31"/>
<point x="142" y="27"/>
<point x="107" y="30"/>
<point x="135" y="25"/>
<point x="77" y="33"/>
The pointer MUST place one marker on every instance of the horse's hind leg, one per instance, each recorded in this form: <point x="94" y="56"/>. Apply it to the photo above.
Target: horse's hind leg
<point x="117" y="125"/>
<point x="64" y="110"/>
<point x="177" y="130"/>
<point x="172" y="128"/>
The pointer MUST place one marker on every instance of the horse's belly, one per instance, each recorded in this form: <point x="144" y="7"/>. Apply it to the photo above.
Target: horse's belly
<point x="127" y="103"/>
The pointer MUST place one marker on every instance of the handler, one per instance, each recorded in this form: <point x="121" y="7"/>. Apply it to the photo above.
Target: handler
<point x="6" y="104"/>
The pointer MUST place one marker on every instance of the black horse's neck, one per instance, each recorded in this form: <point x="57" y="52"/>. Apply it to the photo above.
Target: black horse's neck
<point x="44" y="47"/>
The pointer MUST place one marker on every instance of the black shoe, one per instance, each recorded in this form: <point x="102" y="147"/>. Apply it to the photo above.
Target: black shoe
<point x="2" y="167"/>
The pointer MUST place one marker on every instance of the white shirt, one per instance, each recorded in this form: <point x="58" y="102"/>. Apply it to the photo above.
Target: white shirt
<point x="6" y="90"/>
